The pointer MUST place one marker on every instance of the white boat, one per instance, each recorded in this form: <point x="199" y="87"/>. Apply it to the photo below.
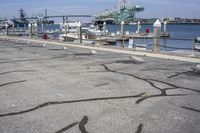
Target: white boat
<point x="70" y="27"/>
<point x="197" y="43"/>
<point x="132" y="23"/>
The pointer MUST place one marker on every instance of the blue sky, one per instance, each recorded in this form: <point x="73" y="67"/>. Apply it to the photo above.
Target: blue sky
<point x="153" y="8"/>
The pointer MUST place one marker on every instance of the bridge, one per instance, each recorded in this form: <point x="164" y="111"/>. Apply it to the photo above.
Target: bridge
<point x="66" y="17"/>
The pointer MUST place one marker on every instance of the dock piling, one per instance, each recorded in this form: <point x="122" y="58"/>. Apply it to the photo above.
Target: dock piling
<point x="42" y="28"/>
<point x="156" y="36"/>
<point x="30" y="28"/>
<point x="104" y="28"/>
<point x="138" y="27"/>
<point x="66" y="30"/>
<point x="79" y="31"/>
<point x="6" y="28"/>
<point x="122" y="33"/>
<point x="165" y="28"/>
<point x="35" y="27"/>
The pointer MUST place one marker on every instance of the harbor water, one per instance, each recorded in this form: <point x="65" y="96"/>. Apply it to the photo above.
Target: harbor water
<point x="181" y="36"/>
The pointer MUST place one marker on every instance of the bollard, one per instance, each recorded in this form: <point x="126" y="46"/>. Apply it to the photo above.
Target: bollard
<point x="156" y="37"/>
<point x="104" y="28"/>
<point x="138" y="28"/>
<point x="122" y="33"/>
<point x="165" y="28"/>
<point x="79" y="32"/>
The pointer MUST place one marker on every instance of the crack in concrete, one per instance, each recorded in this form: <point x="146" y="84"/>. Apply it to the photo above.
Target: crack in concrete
<point x="139" y="128"/>
<point x="10" y="83"/>
<point x="16" y="71"/>
<point x="191" y="109"/>
<point x="67" y="127"/>
<point x="104" y="84"/>
<point x="192" y="73"/>
<point x="82" y="124"/>
<point x="164" y="69"/>
<point x="67" y="102"/>
<point x="163" y="92"/>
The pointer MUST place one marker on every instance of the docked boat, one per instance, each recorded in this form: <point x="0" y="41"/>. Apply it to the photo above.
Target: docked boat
<point x="70" y="27"/>
<point x="88" y="32"/>
<point x="197" y="44"/>
<point x="21" y="21"/>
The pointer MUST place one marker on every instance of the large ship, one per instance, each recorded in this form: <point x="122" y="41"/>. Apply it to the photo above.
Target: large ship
<point x="125" y="12"/>
<point x="21" y="21"/>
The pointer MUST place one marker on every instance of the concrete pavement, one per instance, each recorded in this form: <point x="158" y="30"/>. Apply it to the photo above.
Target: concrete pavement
<point x="49" y="89"/>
